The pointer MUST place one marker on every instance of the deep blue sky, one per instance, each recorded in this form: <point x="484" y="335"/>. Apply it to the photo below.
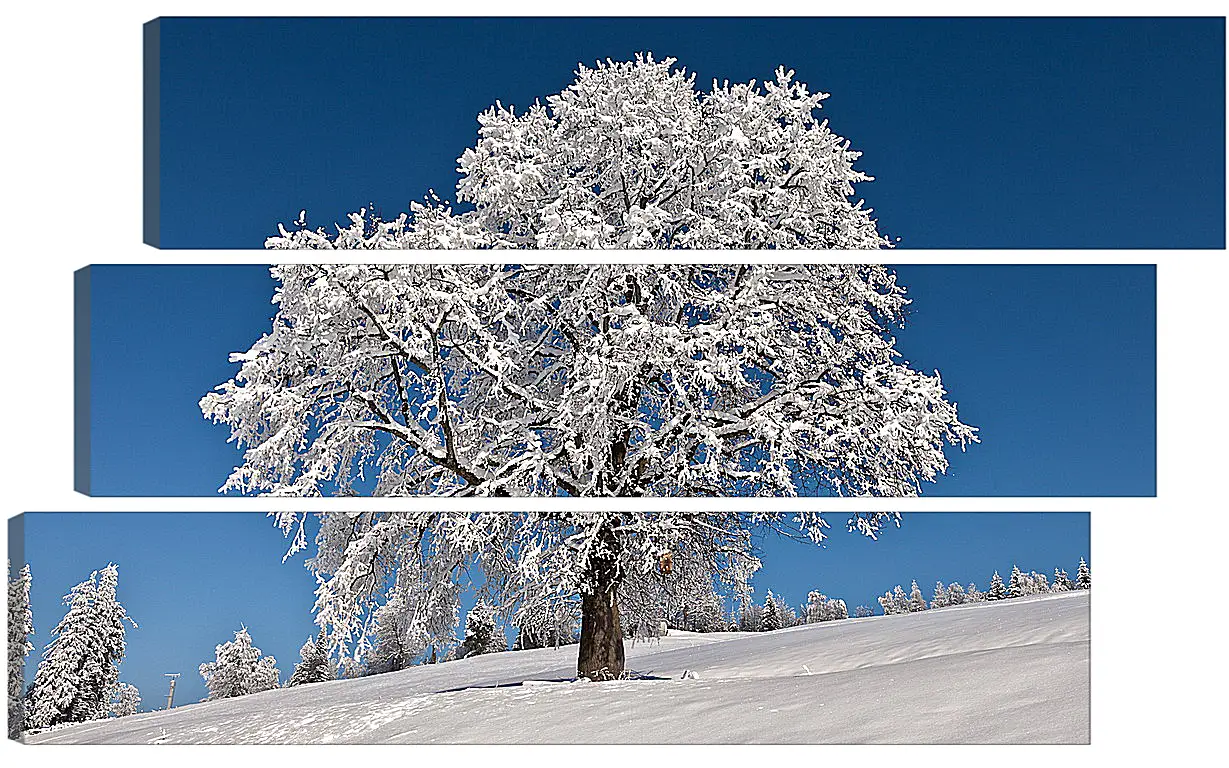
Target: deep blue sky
<point x="191" y="579"/>
<point x="982" y="133"/>
<point x="1056" y="365"/>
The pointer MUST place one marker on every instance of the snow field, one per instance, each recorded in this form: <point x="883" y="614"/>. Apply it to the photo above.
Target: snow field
<point x="1014" y="671"/>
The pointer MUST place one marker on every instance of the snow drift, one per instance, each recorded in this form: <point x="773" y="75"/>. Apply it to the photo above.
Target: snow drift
<point x="1015" y="671"/>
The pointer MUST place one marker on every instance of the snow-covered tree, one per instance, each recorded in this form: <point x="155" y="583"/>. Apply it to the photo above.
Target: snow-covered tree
<point x="751" y="618"/>
<point x="997" y="590"/>
<point x="585" y="380"/>
<point x="895" y="602"/>
<point x="525" y="558"/>
<point x="481" y="634"/>
<point x="79" y="672"/>
<point x="863" y="611"/>
<point x="314" y="665"/>
<point x="956" y="594"/>
<point x="772" y="620"/>
<point x="837" y="610"/>
<point x="1083" y="577"/>
<point x="547" y="625"/>
<point x="394" y="648"/>
<point x="707" y="615"/>
<point x="974" y="595"/>
<point x="900" y="600"/>
<point x="239" y="669"/>
<point x="1015" y="587"/>
<point x="1062" y="583"/>
<point x="816" y="607"/>
<point x="125" y="700"/>
<point x="20" y="627"/>
<point x="917" y="601"/>
<point x="740" y="166"/>
<point x="941" y="598"/>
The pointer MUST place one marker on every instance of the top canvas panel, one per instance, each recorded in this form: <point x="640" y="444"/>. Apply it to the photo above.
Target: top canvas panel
<point x="978" y="133"/>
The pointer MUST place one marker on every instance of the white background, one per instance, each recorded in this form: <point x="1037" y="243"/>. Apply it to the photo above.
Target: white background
<point x="72" y="196"/>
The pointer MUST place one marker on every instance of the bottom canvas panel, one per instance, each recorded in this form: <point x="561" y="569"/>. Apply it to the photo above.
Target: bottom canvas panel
<point x="549" y="627"/>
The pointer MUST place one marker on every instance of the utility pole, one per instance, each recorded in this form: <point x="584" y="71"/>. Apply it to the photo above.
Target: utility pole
<point x="170" y="696"/>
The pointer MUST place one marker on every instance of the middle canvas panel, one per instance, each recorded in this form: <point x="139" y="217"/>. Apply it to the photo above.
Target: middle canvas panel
<point x="604" y="380"/>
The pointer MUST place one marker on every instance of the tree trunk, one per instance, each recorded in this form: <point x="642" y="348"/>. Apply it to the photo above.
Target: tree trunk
<point x="601" y="634"/>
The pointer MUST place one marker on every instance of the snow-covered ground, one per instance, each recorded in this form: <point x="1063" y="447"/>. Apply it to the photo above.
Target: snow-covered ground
<point x="1009" y="672"/>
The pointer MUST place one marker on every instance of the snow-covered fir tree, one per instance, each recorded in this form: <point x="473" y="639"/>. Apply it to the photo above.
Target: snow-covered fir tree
<point x="481" y="633"/>
<point x="1015" y="586"/>
<point x="125" y="700"/>
<point x="956" y="594"/>
<point x="772" y="619"/>
<point x="863" y="611"/>
<point x="941" y="598"/>
<point x="895" y="602"/>
<point x="239" y="669"/>
<point x="974" y="595"/>
<point x="1062" y="583"/>
<point x="900" y="599"/>
<point x="20" y="627"/>
<point x="79" y="670"/>
<point x="314" y="665"/>
<point x="997" y="590"/>
<point x="917" y="601"/>
<point x="1083" y="577"/>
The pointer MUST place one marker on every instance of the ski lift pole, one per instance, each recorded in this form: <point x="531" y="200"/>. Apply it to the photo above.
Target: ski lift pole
<point x="170" y="696"/>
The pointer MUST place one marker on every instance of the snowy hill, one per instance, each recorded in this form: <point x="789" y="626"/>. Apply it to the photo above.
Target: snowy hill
<point x="1009" y="672"/>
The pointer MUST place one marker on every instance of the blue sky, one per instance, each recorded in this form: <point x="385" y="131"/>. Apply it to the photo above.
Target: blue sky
<point x="982" y="133"/>
<point x="191" y="579"/>
<point x="1056" y="364"/>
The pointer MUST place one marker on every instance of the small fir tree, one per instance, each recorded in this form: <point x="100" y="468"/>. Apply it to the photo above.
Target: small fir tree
<point x="239" y="669"/>
<point x="314" y="665"/>
<point x="997" y="590"/>
<point x="1061" y="581"/>
<point x="956" y="594"/>
<point x="916" y="601"/>
<point x="771" y="616"/>
<point x="941" y="598"/>
<point x="1015" y="587"/>
<point x="1083" y="577"/>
